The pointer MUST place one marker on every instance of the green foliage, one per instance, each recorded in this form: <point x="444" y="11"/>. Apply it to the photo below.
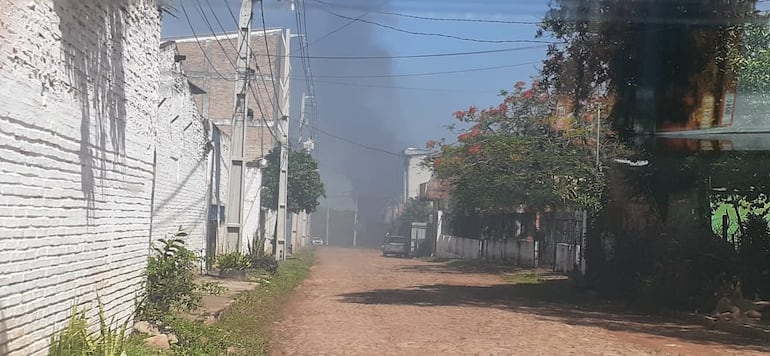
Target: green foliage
<point x="197" y="339"/>
<point x="259" y="259"/>
<point x="245" y="324"/>
<point x="514" y="154"/>
<point x="170" y="280"/>
<point x="76" y="340"/>
<point x="525" y="277"/>
<point x="753" y="62"/>
<point x="304" y="182"/>
<point x="233" y="261"/>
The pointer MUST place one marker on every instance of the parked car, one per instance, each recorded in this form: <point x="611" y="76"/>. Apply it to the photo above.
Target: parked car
<point x="397" y="246"/>
<point x="316" y="241"/>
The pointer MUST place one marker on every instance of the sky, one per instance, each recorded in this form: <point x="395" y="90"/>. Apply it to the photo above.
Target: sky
<point x="375" y="119"/>
<point x="428" y="110"/>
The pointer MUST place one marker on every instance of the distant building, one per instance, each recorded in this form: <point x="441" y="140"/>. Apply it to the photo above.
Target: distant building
<point x="209" y="62"/>
<point x="414" y="173"/>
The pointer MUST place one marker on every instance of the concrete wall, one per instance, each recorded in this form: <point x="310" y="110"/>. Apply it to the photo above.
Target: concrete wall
<point x="457" y="247"/>
<point x="509" y="251"/>
<point x="78" y="109"/>
<point x="252" y="206"/>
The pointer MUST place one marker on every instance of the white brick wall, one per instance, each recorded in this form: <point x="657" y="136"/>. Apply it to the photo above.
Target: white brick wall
<point x="181" y="158"/>
<point x="78" y="108"/>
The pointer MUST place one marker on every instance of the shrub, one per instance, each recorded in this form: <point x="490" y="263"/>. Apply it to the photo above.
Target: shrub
<point x="75" y="339"/>
<point x="261" y="260"/>
<point x="170" y="283"/>
<point x="233" y="261"/>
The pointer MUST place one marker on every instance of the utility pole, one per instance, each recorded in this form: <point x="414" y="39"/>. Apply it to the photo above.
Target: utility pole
<point x="234" y="215"/>
<point x="598" y="131"/>
<point x="327" y="226"/>
<point x="282" y="107"/>
<point x="303" y="217"/>
<point x="355" y="222"/>
<point x="301" y="118"/>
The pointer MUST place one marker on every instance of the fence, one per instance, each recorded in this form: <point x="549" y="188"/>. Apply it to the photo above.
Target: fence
<point x="561" y="245"/>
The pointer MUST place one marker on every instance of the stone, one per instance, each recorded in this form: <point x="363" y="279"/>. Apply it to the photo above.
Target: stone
<point x="172" y="339"/>
<point x="146" y="328"/>
<point x="234" y="350"/>
<point x="753" y="314"/>
<point x="158" y="342"/>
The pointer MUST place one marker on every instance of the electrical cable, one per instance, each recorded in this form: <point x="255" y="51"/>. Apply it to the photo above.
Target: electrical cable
<point x="448" y="19"/>
<point x="197" y="41"/>
<point x="428" y="73"/>
<point x="232" y="63"/>
<point x="434" y="34"/>
<point x="427" y="55"/>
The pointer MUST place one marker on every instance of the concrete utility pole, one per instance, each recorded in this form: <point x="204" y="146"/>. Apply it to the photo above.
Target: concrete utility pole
<point x="327" y="226"/>
<point x="355" y="222"/>
<point x="303" y="217"/>
<point x="234" y="215"/>
<point x="282" y="106"/>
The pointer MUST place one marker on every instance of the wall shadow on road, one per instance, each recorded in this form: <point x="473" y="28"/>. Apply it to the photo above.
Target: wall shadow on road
<point x="458" y="267"/>
<point x="550" y="301"/>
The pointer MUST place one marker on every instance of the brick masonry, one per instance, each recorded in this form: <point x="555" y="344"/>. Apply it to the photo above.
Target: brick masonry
<point x="102" y="150"/>
<point x="181" y="158"/>
<point x="78" y="125"/>
<point x="214" y="73"/>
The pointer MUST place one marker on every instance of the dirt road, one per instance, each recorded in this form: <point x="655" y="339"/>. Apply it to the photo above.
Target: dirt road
<point x="357" y="302"/>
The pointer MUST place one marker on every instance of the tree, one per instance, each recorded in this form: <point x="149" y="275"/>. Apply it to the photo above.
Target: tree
<point x="415" y="210"/>
<point x="304" y="182"/>
<point x="520" y="152"/>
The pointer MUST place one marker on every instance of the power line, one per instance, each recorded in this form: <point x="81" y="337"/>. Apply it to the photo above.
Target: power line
<point x="256" y="65"/>
<point x="426" y="55"/>
<point x="449" y="19"/>
<point x="427" y="74"/>
<point x="338" y="29"/>
<point x="432" y="33"/>
<point x="224" y="52"/>
<point x="344" y="139"/>
<point x="206" y="19"/>
<point x="269" y="60"/>
<point x="391" y="86"/>
<point x="197" y="41"/>
<point x="301" y="21"/>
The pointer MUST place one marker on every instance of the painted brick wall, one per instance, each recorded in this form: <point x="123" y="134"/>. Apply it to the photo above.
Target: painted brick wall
<point x="78" y="107"/>
<point x="180" y="192"/>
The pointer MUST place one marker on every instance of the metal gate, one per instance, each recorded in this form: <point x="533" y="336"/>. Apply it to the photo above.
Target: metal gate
<point x="564" y="234"/>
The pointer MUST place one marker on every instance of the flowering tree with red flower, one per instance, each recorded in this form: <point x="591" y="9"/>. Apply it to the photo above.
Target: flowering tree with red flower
<point x="512" y="154"/>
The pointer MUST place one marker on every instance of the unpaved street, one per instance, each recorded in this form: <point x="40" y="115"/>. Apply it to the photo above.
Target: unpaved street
<point x="357" y="302"/>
